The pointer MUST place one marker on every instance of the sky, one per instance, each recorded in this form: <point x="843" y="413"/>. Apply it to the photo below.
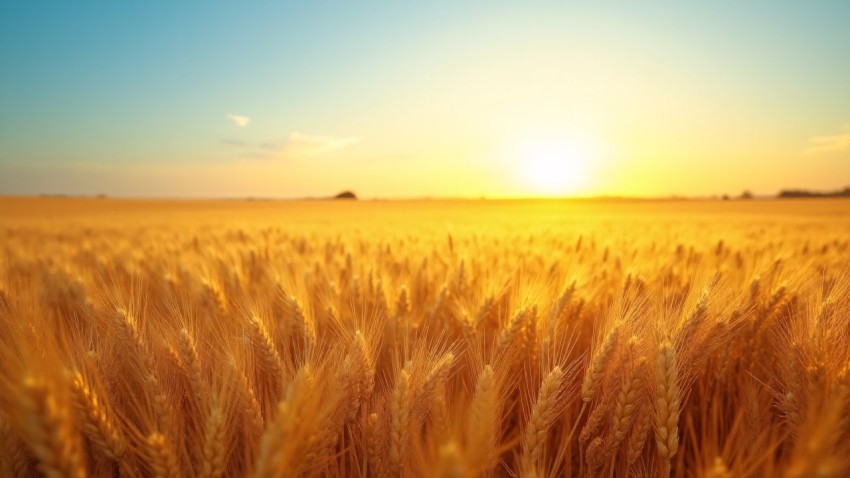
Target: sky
<point x="423" y="99"/>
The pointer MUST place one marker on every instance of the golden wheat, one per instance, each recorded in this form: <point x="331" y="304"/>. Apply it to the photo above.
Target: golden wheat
<point x="426" y="339"/>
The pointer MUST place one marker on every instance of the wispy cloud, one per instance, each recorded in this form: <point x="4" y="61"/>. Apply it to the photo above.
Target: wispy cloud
<point x="238" y="120"/>
<point x="295" y="146"/>
<point x="300" y="144"/>
<point x="270" y="145"/>
<point x="830" y="144"/>
<point x="235" y="142"/>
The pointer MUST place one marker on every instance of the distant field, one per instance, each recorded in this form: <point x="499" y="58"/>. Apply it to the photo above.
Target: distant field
<point x="425" y="338"/>
<point x="428" y="213"/>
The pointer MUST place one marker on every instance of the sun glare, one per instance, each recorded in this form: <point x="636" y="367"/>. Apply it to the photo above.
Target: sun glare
<point x="555" y="167"/>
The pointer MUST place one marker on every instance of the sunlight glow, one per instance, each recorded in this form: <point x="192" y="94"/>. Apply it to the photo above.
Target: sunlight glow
<point x="555" y="167"/>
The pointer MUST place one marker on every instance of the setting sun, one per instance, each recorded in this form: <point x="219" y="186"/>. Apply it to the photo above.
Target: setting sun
<point x="554" y="167"/>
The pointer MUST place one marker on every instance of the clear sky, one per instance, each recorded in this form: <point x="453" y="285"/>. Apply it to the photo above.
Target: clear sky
<point x="412" y="99"/>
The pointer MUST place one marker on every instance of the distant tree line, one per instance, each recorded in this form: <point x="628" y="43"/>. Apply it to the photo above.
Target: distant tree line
<point x="802" y="193"/>
<point x="794" y="193"/>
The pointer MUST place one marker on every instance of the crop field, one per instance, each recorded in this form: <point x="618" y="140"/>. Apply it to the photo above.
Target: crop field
<point x="424" y="338"/>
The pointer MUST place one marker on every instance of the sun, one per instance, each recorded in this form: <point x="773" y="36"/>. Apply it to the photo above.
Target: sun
<point x="555" y="167"/>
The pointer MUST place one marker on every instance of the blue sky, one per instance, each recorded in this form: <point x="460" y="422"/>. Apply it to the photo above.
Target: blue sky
<point x="132" y="99"/>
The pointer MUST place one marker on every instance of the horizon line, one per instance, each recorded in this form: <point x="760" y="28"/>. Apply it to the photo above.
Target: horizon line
<point x="831" y="194"/>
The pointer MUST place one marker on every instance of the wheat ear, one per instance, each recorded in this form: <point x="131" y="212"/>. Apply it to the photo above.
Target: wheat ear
<point x="269" y="357"/>
<point x="482" y="431"/>
<point x="95" y="421"/>
<point x="637" y="438"/>
<point x="399" y="420"/>
<point x="596" y="367"/>
<point x="49" y="432"/>
<point x="666" y="404"/>
<point x="542" y="414"/>
<point x="163" y="462"/>
<point x="215" y="448"/>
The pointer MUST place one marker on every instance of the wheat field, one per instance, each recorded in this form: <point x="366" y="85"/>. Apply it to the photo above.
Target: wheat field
<point x="424" y="338"/>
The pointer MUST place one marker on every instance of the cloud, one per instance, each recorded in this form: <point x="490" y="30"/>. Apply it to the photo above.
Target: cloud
<point x="270" y="145"/>
<point x="829" y="144"/>
<point x="235" y="142"/>
<point x="238" y="120"/>
<point x="300" y="144"/>
<point x="295" y="146"/>
<point x="255" y="155"/>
